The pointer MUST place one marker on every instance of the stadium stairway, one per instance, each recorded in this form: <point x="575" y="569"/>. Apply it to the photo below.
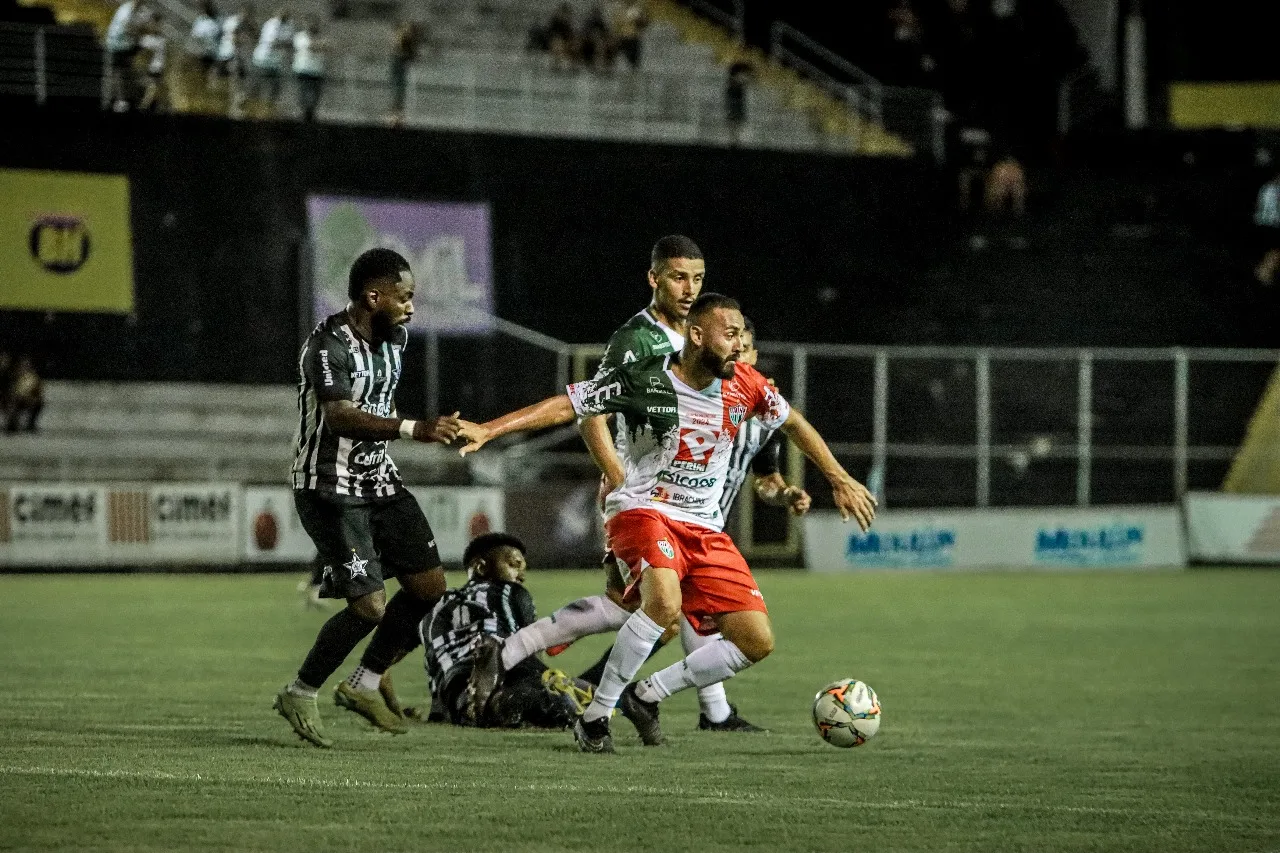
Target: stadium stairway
<point x="148" y="432"/>
<point x="782" y="85"/>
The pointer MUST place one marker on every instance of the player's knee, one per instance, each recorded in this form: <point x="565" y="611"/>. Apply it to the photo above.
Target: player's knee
<point x="369" y="607"/>
<point x="756" y="645"/>
<point x="662" y="606"/>
<point x="428" y="585"/>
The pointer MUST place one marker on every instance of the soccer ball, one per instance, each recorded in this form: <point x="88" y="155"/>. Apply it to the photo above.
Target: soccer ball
<point x="846" y="713"/>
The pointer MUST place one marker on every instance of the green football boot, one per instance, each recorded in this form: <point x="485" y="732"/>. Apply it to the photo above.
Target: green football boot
<point x="370" y="705"/>
<point x="303" y="714"/>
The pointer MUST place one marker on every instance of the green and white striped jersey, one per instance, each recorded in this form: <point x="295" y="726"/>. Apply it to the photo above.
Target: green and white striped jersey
<point x="679" y="440"/>
<point x="337" y="364"/>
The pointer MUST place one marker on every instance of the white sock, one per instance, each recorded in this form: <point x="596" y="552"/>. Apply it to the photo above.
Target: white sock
<point x="363" y="678"/>
<point x="709" y="665"/>
<point x="584" y="617"/>
<point x="711" y="699"/>
<point x="630" y="651"/>
<point x="306" y="691"/>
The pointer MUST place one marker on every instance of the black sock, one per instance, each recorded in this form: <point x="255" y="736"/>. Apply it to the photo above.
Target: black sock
<point x="397" y="634"/>
<point x="596" y="672"/>
<point x="337" y="637"/>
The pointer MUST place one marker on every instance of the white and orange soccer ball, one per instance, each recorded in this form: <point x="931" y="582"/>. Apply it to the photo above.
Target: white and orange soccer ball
<point x="846" y="713"/>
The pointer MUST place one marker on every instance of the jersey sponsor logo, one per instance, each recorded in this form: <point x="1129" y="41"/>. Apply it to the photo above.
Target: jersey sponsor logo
<point x="369" y="457"/>
<point x="675" y="478"/>
<point x="661" y="410"/>
<point x="604" y="392"/>
<point x="667" y="551"/>
<point x="736" y="414"/>
<point x="382" y="409"/>
<point x="325" y="370"/>
<point x="656" y="391"/>
<point x="695" y="448"/>
<point x="356" y="567"/>
<point x="628" y="357"/>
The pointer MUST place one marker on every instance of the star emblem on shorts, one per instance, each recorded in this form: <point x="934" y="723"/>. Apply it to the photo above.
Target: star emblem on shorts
<point x="356" y="567"/>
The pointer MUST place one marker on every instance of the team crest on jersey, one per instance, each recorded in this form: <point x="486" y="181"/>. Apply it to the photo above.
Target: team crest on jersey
<point x="736" y="414"/>
<point x="356" y="568"/>
<point x="667" y="551"/>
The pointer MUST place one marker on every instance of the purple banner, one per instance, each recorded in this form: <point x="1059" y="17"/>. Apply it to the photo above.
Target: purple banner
<point x="446" y="243"/>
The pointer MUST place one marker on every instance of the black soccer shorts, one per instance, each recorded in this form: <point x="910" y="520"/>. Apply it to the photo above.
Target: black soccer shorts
<point x="364" y="541"/>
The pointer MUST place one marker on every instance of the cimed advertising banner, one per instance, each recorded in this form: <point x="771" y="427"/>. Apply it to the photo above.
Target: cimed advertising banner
<point x="1055" y="538"/>
<point x="447" y="245"/>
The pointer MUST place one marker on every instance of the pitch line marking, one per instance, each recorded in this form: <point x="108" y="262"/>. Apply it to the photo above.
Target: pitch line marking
<point x="707" y="797"/>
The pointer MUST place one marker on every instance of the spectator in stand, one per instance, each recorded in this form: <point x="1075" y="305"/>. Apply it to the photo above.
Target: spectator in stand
<point x="405" y="44"/>
<point x="1266" y="217"/>
<point x="1006" y="196"/>
<point x="234" y="47"/>
<point x="25" y="396"/>
<point x="735" y="100"/>
<point x="122" y="47"/>
<point x="1006" y="187"/>
<point x="205" y="37"/>
<point x="628" y="29"/>
<point x="269" y="56"/>
<point x="155" y="47"/>
<point x="597" y="41"/>
<point x="562" y="39"/>
<point x="308" y="67"/>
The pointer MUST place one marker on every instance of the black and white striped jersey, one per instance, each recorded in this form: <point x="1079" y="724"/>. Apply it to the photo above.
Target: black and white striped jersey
<point x="338" y="364"/>
<point x="462" y="615"/>
<point x="755" y="448"/>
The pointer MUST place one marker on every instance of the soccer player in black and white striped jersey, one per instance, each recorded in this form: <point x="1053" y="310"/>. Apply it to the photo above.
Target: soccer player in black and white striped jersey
<point x="365" y="525"/>
<point x="465" y="625"/>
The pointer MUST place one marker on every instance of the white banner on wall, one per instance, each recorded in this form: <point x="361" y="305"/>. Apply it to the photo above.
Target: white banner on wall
<point x="65" y="522"/>
<point x="119" y="524"/>
<point x="124" y="524"/>
<point x="272" y="531"/>
<point x="459" y="514"/>
<point x="1101" y="538"/>
<point x="1233" y="528"/>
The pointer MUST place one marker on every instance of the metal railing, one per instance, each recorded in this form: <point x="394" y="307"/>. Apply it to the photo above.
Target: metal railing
<point x="915" y="113"/>
<point x="51" y="63"/>
<point x="981" y="427"/>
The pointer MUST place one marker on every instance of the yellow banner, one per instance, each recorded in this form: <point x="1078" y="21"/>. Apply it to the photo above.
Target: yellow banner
<point x="1202" y="105"/>
<point x="65" y="242"/>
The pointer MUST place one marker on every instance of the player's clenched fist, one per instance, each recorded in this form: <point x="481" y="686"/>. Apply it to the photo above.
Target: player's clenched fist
<point x="853" y="499"/>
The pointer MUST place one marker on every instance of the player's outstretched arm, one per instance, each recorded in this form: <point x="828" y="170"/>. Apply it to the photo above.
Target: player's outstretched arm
<point x="595" y="433"/>
<point x="552" y="411"/>
<point x="348" y="420"/>
<point x="852" y="498"/>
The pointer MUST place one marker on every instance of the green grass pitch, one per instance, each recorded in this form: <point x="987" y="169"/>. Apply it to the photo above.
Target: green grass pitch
<point x="1022" y="712"/>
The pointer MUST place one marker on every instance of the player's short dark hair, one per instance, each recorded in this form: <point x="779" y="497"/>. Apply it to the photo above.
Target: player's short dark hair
<point x="372" y="265"/>
<point x="486" y="542"/>
<point x="748" y="327"/>
<point x="709" y="301"/>
<point x="673" y="246"/>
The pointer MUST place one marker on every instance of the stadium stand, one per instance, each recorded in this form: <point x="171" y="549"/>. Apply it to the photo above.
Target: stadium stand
<point x="476" y="74"/>
<point x="162" y="431"/>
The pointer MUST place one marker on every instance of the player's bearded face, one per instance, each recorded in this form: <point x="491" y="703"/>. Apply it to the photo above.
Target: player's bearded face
<point x="394" y="308"/>
<point x="722" y="342"/>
